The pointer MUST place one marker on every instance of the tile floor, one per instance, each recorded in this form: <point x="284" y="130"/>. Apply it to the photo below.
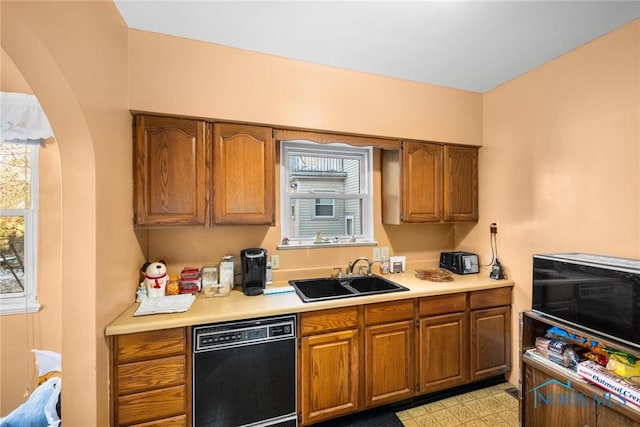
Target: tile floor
<point x="490" y="406"/>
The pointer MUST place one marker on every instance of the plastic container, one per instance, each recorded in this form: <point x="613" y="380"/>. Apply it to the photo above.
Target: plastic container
<point x="210" y="285"/>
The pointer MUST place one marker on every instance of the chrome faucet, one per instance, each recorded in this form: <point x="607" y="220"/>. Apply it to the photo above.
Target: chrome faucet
<point x="352" y="264"/>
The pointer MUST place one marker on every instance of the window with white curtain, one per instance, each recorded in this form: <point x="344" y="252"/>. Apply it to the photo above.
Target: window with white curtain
<point x="23" y="125"/>
<point x="18" y="227"/>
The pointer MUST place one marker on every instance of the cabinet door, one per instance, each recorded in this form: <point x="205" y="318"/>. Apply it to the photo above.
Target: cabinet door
<point x="244" y="158"/>
<point x="490" y="342"/>
<point x="329" y="375"/>
<point x="422" y="182"/>
<point x="442" y="358"/>
<point x="540" y="389"/>
<point x="389" y="362"/>
<point x="460" y="183"/>
<point x="171" y="172"/>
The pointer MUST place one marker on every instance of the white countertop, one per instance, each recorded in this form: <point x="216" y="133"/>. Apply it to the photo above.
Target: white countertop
<point x="238" y="306"/>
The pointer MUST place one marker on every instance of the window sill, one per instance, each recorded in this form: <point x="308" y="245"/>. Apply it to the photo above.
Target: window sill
<point x="305" y="245"/>
<point x="18" y="306"/>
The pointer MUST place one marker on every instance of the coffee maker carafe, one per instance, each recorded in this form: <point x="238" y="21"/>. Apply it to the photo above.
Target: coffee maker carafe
<point x="254" y="270"/>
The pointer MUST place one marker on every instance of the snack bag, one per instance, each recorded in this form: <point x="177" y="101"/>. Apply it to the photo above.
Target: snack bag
<point x="621" y="366"/>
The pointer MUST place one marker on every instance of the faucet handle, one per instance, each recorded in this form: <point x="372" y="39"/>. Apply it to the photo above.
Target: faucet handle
<point x="337" y="272"/>
<point x="363" y="270"/>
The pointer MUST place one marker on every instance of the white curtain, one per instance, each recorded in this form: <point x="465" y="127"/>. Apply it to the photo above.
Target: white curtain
<point x="22" y="119"/>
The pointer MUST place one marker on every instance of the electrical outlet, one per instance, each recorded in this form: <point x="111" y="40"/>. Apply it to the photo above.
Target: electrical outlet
<point x="376" y="254"/>
<point x="275" y="261"/>
<point x="493" y="228"/>
<point x="384" y="252"/>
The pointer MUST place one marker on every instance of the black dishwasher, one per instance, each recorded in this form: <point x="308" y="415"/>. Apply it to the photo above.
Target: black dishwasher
<point x="244" y="373"/>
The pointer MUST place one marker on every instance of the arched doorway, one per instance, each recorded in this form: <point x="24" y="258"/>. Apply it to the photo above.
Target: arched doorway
<point x="78" y="213"/>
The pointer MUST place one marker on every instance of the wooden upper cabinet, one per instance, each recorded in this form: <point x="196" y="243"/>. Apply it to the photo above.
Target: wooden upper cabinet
<point x="244" y="180"/>
<point x="460" y="183"/>
<point x="422" y="182"/>
<point x="427" y="182"/>
<point x="171" y="172"/>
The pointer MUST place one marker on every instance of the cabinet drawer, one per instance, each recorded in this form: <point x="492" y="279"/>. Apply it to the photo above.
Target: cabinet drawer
<point x="151" y="405"/>
<point x="328" y="320"/>
<point x="139" y="376"/>
<point x="146" y="345"/>
<point x="385" y="312"/>
<point x="442" y="304"/>
<point x="490" y="298"/>
<point x="179" y="421"/>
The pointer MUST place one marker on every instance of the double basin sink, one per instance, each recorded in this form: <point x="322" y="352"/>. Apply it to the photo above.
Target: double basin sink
<point x="330" y="288"/>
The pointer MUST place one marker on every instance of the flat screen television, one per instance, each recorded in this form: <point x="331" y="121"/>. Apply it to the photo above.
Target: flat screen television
<point x="594" y="292"/>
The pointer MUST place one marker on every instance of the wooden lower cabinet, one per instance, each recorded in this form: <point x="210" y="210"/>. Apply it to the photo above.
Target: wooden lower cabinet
<point x="329" y="375"/>
<point x="389" y="363"/>
<point x="388" y="350"/>
<point x="490" y="332"/>
<point x="150" y="380"/>
<point x="490" y="342"/>
<point x="443" y="360"/>
<point x="328" y="364"/>
<point x="356" y="358"/>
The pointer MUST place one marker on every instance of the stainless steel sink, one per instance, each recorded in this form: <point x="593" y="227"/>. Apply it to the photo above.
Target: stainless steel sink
<point x="329" y="288"/>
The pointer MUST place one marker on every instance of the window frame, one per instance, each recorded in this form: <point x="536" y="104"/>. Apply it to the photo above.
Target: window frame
<point x="310" y="148"/>
<point x="26" y="301"/>
<point x="316" y="205"/>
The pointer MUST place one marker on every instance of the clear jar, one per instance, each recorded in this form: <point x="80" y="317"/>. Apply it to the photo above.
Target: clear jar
<point x="210" y="286"/>
<point x="226" y="275"/>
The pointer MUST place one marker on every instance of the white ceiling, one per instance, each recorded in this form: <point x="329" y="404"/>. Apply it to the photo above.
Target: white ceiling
<point x="471" y="45"/>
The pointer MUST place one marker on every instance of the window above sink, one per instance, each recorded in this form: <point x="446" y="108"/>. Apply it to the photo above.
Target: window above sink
<point x="326" y="195"/>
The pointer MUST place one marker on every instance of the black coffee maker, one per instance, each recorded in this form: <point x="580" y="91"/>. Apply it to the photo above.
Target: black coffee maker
<point x="254" y="270"/>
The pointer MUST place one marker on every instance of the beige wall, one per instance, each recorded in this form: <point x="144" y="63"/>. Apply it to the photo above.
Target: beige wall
<point x="185" y="77"/>
<point x="180" y="76"/>
<point x="559" y="168"/>
<point x="74" y="57"/>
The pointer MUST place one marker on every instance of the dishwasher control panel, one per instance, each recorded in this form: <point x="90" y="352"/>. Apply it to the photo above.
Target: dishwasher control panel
<point x="232" y="334"/>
